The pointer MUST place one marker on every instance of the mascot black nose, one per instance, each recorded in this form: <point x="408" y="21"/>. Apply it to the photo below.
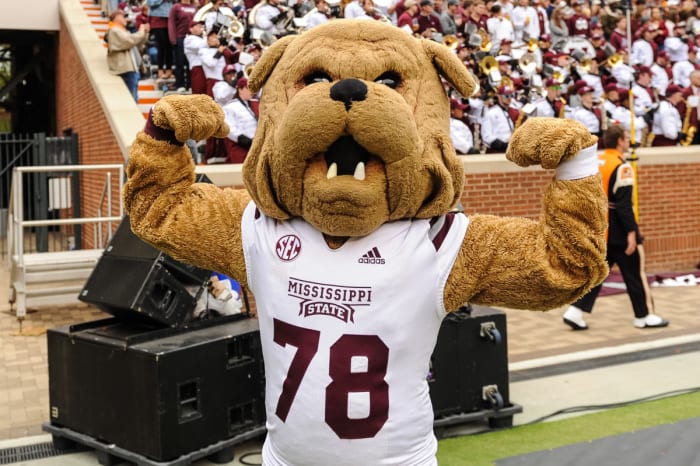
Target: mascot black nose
<point x="349" y="91"/>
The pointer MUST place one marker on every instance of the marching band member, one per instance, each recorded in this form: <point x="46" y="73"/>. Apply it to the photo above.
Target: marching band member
<point x="553" y="104"/>
<point x="224" y="90"/>
<point x="661" y="73"/>
<point x="667" y="120"/>
<point x="269" y="16"/>
<point x="320" y="16"/>
<point x="460" y="133"/>
<point x="587" y="114"/>
<point x="192" y="43"/>
<point x="242" y="120"/>
<point x="623" y="115"/>
<point x="645" y="97"/>
<point x="499" y="121"/>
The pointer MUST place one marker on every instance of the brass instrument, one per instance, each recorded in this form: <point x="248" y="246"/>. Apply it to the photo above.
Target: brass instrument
<point x="614" y="60"/>
<point x="248" y="70"/>
<point x="687" y="129"/>
<point x="527" y="63"/>
<point x="585" y="64"/>
<point x="486" y="44"/>
<point x="489" y="68"/>
<point x="649" y="139"/>
<point x="450" y="41"/>
<point x="532" y="44"/>
<point x="562" y="110"/>
<point x="488" y="64"/>
<point x="229" y="25"/>
<point x="506" y="81"/>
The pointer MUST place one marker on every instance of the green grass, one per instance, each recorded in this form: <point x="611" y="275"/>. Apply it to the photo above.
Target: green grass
<point x="485" y="449"/>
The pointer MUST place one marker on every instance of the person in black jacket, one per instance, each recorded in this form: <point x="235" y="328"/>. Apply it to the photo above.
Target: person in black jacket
<point x="623" y="238"/>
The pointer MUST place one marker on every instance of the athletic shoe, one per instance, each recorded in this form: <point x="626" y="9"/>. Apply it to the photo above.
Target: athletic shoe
<point x="573" y="317"/>
<point x="650" y="321"/>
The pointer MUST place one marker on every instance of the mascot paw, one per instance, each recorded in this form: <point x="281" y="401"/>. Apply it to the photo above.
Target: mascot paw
<point x="548" y="142"/>
<point x="190" y="117"/>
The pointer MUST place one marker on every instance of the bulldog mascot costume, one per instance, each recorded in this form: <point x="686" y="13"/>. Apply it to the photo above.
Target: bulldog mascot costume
<point x="346" y="233"/>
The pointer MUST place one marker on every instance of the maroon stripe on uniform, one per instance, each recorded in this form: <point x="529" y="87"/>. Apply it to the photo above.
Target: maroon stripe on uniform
<point x="442" y="233"/>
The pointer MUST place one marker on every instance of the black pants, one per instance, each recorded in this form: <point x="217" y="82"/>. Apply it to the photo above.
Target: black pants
<point x="632" y="271"/>
<point x="182" y="67"/>
<point x="165" y="49"/>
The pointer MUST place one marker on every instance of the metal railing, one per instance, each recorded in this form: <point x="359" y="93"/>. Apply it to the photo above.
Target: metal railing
<point x="50" y="270"/>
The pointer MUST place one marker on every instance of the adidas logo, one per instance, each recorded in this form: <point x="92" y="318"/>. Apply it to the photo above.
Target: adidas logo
<point x="371" y="257"/>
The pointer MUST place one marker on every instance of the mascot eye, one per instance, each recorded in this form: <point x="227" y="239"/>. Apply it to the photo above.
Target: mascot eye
<point x="390" y="79"/>
<point x="317" y="77"/>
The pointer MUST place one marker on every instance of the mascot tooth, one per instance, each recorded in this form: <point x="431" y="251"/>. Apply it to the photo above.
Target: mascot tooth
<point x="346" y="236"/>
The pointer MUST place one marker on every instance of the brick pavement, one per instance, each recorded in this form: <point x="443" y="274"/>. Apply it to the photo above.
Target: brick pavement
<point x="23" y="361"/>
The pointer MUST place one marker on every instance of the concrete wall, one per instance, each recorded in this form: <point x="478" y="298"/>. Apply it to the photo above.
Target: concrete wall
<point x="99" y="108"/>
<point x="39" y="15"/>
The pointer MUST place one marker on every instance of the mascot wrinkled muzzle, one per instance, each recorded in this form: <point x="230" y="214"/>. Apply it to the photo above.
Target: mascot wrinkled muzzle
<point x="350" y="144"/>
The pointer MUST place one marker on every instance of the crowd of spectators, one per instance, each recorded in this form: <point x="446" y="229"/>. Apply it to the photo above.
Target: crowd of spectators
<point x="599" y="62"/>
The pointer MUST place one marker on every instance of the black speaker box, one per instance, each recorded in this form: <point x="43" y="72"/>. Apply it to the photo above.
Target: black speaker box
<point x="135" y="281"/>
<point x="159" y="392"/>
<point x="469" y="366"/>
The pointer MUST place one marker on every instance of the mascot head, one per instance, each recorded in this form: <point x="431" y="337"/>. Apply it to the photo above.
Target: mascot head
<point x="354" y="128"/>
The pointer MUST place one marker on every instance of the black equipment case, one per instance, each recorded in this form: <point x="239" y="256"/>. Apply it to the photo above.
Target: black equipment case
<point x="469" y="370"/>
<point x="159" y="392"/>
<point x="135" y="281"/>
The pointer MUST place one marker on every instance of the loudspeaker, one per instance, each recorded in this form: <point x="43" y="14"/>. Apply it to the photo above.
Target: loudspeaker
<point x="135" y="281"/>
<point x="469" y="365"/>
<point x="159" y="392"/>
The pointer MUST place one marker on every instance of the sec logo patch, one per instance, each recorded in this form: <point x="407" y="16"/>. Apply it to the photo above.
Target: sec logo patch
<point x="288" y="247"/>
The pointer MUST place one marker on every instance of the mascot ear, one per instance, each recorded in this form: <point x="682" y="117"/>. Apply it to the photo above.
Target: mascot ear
<point x="267" y="62"/>
<point x="450" y="67"/>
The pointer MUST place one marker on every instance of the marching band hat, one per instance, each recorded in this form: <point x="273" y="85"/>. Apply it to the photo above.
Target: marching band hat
<point x="672" y="89"/>
<point x="194" y="23"/>
<point x="545" y="38"/>
<point x="663" y="54"/>
<point x="503" y="58"/>
<point x="503" y="89"/>
<point x="551" y="82"/>
<point x="454" y="103"/>
<point x="229" y="68"/>
<point x="643" y="69"/>
<point x="585" y="90"/>
<point x="242" y="82"/>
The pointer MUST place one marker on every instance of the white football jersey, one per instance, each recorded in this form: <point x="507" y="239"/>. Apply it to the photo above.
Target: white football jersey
<point x="347" y="336"/>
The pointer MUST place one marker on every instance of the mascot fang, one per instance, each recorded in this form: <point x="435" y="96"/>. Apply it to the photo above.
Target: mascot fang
<point x="346" y="236"/>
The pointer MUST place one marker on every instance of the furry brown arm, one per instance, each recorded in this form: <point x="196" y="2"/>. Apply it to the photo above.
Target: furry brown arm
<point x="524" y="264"/>
<point x="538" y="265"/>
<point x="197" y="223"/>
